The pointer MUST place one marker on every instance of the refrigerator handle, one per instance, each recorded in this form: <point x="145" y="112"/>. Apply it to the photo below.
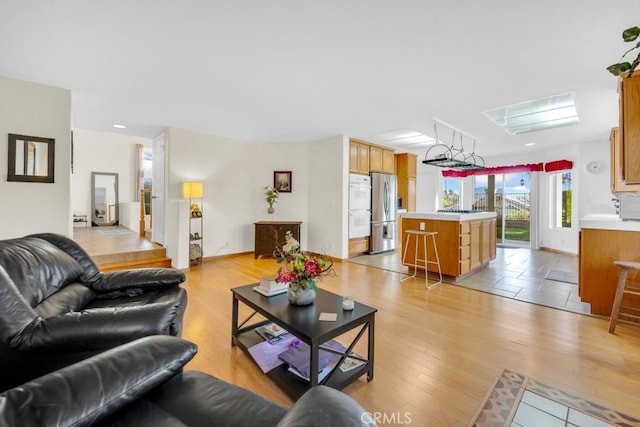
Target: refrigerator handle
<point x="385" y="202"/>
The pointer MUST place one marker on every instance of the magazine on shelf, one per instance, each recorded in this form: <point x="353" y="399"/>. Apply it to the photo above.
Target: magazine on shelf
<point x="273" y="330"/>
<point x="299" y="356"/>
<point x="321" y="374"/>
<point x="351" y="363"/>
<point x="274" y="340"/>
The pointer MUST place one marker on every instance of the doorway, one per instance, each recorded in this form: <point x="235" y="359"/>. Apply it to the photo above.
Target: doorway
<point x="509" y="195"/>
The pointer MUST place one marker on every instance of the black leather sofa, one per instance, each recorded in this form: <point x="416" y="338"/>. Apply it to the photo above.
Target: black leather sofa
<point x="57" y="307"/>
<point x="142" y="384"/>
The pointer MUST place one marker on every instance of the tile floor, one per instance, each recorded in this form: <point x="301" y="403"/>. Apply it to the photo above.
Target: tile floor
<point x="520" y="401"/>
<point x="535" y="410"/>
<point x="517" y="273"/>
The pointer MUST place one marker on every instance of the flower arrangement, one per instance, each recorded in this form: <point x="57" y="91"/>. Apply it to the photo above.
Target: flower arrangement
<point x="301" y="269"/>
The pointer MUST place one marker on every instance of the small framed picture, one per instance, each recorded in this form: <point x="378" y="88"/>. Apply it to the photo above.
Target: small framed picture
<point x="282" y="181"/>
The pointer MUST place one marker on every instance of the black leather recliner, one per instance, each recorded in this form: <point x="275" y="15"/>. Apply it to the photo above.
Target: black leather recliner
<point x="57" y="307"/>
<point x="142" y="384"/>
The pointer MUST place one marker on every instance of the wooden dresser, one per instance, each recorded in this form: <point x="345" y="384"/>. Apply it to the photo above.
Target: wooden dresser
<point x="270" y="234"/>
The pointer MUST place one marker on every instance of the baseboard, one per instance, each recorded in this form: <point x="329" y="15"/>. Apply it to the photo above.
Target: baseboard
<point x="555" y="251"/>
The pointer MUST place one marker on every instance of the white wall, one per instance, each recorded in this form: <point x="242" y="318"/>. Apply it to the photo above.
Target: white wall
<point x="95" y="151"/>
<point x="235" y="173"/>
<point x="35" y="110"/>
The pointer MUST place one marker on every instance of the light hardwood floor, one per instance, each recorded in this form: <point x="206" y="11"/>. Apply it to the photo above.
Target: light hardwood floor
<point x="437" y="352"/>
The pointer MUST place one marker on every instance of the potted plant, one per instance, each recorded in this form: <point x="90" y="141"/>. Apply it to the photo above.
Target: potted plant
<point x="271" y="197"/>
<point x="628" y="35"/>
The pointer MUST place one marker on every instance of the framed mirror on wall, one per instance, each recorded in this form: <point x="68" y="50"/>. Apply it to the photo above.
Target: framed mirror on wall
<point x="31" y="159"/>
<point x="104" y="199"/>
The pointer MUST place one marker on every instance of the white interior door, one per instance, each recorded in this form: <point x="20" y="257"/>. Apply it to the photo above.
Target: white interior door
<point x="157" y="196"/>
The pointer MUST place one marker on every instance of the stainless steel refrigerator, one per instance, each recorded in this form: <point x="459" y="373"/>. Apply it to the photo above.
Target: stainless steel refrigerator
<point x="383" y="212"/>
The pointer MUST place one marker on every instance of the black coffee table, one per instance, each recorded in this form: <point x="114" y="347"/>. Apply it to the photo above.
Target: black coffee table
<point x="303" y="323"/>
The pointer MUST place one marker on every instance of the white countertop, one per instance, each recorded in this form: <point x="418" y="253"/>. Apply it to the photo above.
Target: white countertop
<point x="608" y="222"/>
<point x="449" y="216"/>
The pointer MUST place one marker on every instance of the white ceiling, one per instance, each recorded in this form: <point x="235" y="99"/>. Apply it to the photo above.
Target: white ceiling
<point x="299" y="70"/>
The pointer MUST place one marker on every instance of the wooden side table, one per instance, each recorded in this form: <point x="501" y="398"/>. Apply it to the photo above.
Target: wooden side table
<point x="269" y="235"/>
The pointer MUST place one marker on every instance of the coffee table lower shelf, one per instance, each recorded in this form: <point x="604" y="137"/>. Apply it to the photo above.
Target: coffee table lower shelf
<point x="291" y="384"/>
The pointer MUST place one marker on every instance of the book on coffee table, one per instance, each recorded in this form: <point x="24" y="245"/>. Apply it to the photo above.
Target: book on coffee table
<point x="261" y="291"/>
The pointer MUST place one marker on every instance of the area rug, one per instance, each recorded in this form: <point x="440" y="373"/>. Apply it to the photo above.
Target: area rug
<point x="115" y="231"/>
<point x="503" y="400"/>
<point x="562" y="276"/>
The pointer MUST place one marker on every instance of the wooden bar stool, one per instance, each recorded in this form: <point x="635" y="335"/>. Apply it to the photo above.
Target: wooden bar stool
<point x="625" y="266"/>
<point x="416" y="234"/>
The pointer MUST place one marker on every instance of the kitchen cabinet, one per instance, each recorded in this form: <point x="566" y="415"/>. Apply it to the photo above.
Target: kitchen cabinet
<point x="629" y="90"/>
<point x="381" y="160"/>
<point x="358" y="246"/>
<point x="406" y="168"/>
<point x="270" y="235"/>
<point x="475" y="244"/>
<point x="388" y="161"/>
<point x="617" y="183"/>
<point x="358" y="157"/>
<point x="598" y="274"/>
<point x="464" y="246"/>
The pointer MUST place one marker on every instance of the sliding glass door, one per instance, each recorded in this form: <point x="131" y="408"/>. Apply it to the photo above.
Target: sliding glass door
<point x="509" y="195"/>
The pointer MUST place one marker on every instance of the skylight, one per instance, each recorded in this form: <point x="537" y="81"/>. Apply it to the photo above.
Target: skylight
<point x="538" y="114"/>
<point x="405" y="138"/>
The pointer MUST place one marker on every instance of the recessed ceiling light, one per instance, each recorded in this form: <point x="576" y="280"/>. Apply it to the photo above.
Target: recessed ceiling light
<point x="120" y="126"/>
<point x="538" y="114"/>
<point x="530" y="144"/>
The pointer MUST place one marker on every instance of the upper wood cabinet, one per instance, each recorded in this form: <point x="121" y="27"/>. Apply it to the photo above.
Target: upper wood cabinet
<point x="358" y="157"/>
<point x="365" y="158"/>
<point x="629" y="89"/>
<point x="375" y="159"/>
<point x="381" y="159"/>
<point x="388" y="161"/>
<point x="617" y="184"/>
<point x="406" y="167"/>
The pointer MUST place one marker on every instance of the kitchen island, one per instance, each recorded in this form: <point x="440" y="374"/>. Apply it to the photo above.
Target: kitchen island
<point x="604" y="239"/>
<point x="466" y="241"/>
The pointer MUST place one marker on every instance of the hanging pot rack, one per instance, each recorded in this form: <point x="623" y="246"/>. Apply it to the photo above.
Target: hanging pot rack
<point x="451" y="157"/>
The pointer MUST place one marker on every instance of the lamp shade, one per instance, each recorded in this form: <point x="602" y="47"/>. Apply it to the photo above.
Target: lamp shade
<point x="192" y="190"/>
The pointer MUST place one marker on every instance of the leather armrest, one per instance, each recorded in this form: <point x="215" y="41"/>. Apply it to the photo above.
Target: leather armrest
<point x="91" y="330"/>
<point x="325" y="406"/>
<point x="88" y="391"/>
<point x="142" y="278"/>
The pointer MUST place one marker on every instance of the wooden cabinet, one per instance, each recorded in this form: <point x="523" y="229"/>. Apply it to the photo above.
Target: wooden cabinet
<point x="617" y="183"/>
<point x="365" y="158"/>
<point x="475" y="244"/>
<point x="465" y="249"/>
<point x="598" y="274"/>
<point x="381" y="160"/>
<point x="629" y="90"/>
<point x="388" y="161"/>
<point x="463" y="246"/>
<point x="358" y="157"/>
<point x="375" y="159"/>
<point x="358" y="246"/>
<point x="406" y="168"/>
<point x="269" y="235"/>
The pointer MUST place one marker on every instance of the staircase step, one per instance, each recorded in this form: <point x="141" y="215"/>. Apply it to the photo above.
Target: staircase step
<point x="129" y="256"/>
<point x="138" y="263"/>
